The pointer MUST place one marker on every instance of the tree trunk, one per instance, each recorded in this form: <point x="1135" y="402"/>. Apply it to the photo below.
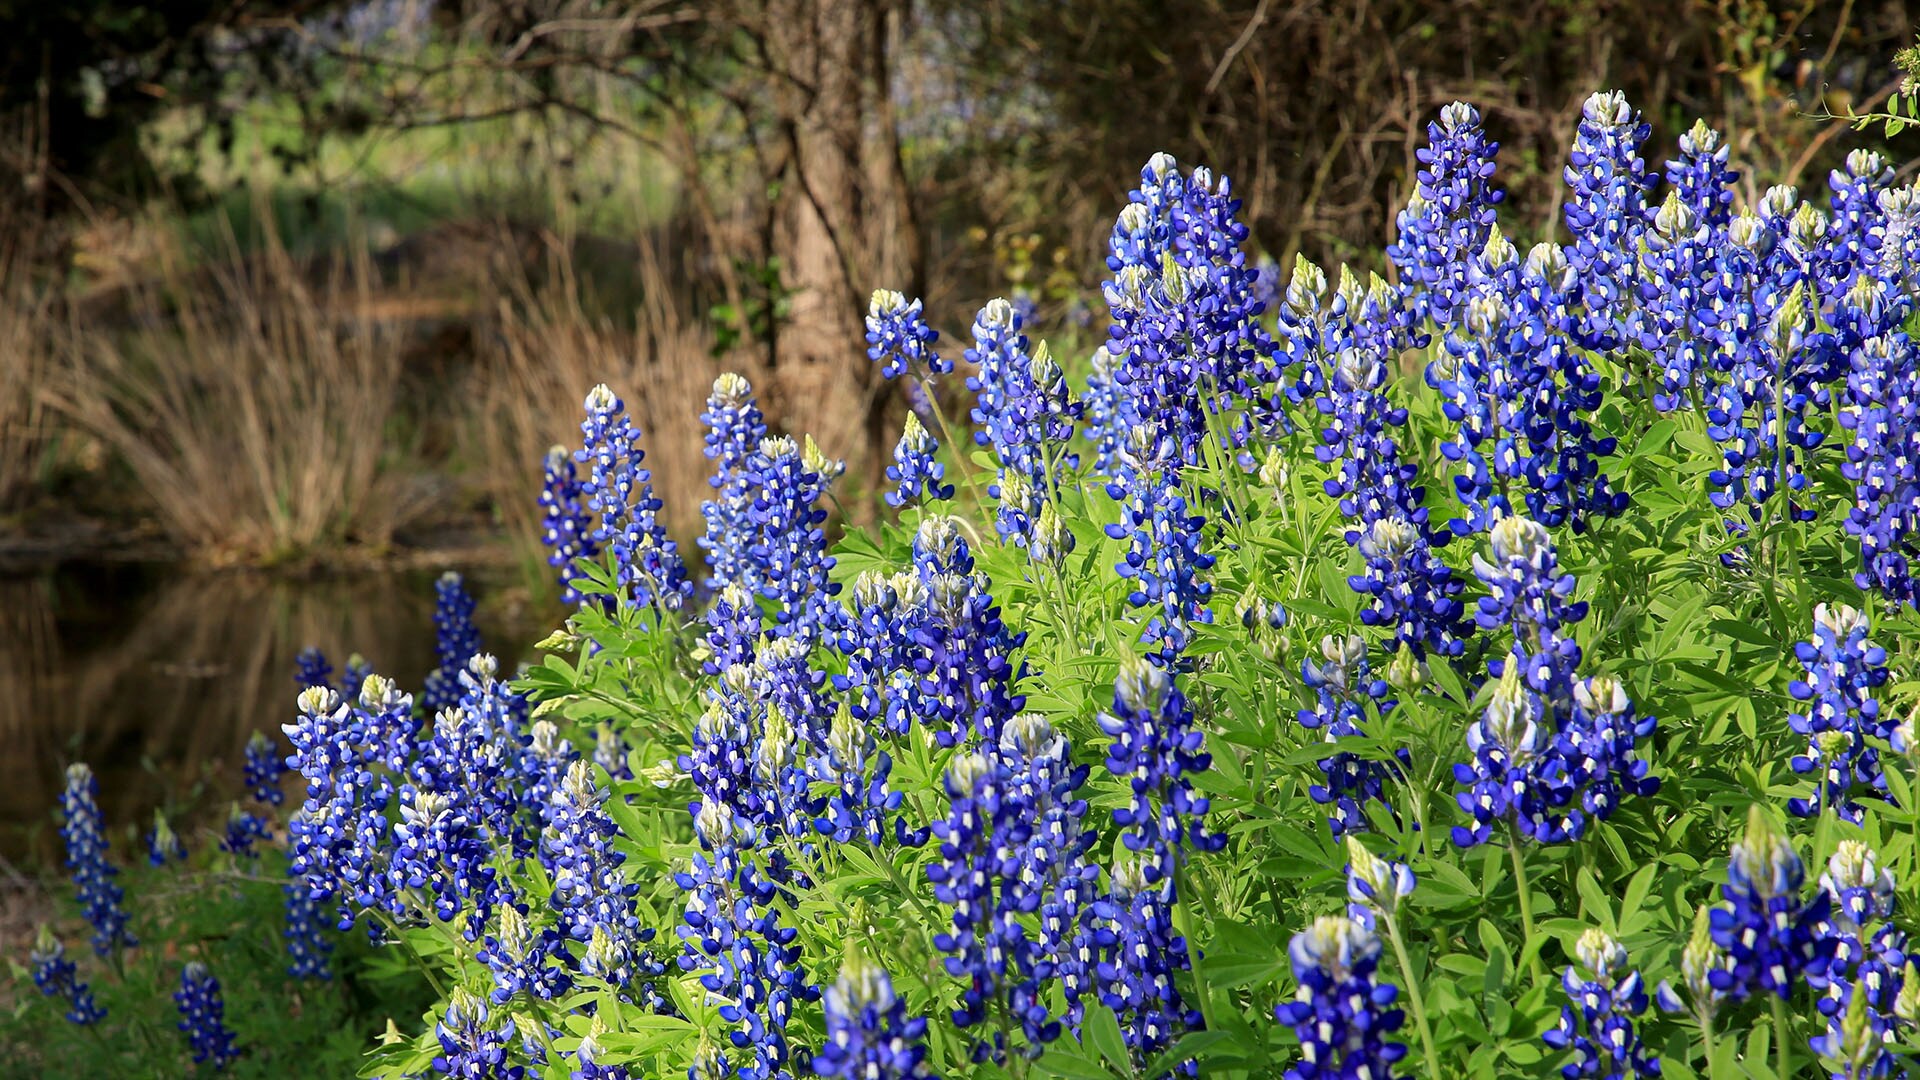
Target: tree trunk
<point x="843" y="219"/>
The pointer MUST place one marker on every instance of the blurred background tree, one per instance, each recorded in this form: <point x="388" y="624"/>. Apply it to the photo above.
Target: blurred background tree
<point x="768" y="162"/>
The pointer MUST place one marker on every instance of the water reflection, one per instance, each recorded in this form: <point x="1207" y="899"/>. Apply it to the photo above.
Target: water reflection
<point x="157" y="679"/>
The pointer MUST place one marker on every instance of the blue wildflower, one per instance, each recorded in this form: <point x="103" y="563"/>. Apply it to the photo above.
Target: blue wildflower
<point x="899" y="339"/>
<point x="1609" y="998"/>
<point x="646" y="564"/>
<point x="203" y="1017"/>
<point x="1843" y="669"/>
<point x="915" y="473"/>
<point x="265" y="765"/>
<point x="471" y="1048"/>
<point x="735" y="429"/>
<point x="1450" y="213"/>
<point x="163" y="844"/>
<point x="566" y="527"/>
<point x="456" y="640"/>
<point x="56" y="977"/>
<point x="1769" y="932"/>
<point x="86" y="840"/>
<point x="1342" y="1013"/>
<point x="869" y="1035"/>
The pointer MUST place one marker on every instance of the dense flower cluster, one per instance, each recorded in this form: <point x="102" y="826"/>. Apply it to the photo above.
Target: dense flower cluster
<point x="1552" y="751"/>
<point x="1769" y="932"/>
<point x="1868" y="971"/>
<point x="869" y="1036"/>
<point x="86" y="840"/>
<point x="56" y="977"/>
<point x="456" y="639"/>
<point x="899" y="339"/>
<point x="646" y="565"/>
<point x="1342" y="1014"/>
<point x="203" y="1017"/>
<point x="1345" y="687"/>
<point x="1608" y="998"/>
<point x="566" y="527"/>
<point x="1843" y="670"/>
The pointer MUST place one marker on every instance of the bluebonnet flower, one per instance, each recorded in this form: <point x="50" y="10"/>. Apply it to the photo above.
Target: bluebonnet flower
<point x="610" y="751"/>
<point x="1343" y="684"/>
<point x="1013" y="844"/>
<point x="869" y="1035"/>
<point x="163" y="844"/>
<point x="565" y="525"/>
<point x="1843" y="669"/>
<point x="1701" y="178"/>
<point x="1760" y="415"/>
<point x="56" y="977"/>
<point x="456" y="639"/>
<point x="310" y="668"/>
<point x="1450" y="213"/>
<point x="243" y="831"/>
<point x="1157" y="749"/>
<point x="86" y="840"/>
<point x="307" y="946"/>
<point x="1140" y="953"/>
<point x="1552" y="751"/>
<point x="1856" y="232"/>
<point x="1343" y="1015"/>
<point x="587" y="1057"/>
<point x="735" y="429"/>
<point x="1610" y="998"/>
<point x="1263" y="621"/>
<point x="915" y="473"/>
<point x="734" y="939"/>
<point x="861" y="801"/>
<point x="1105" y="407"/>
<point x="899" y="339"/>
<point x="1882" y="415"/>
<point x="1023" y="413"/>
<point x="963" y="651"/>
<point x="1606" y="206"/>
<point x="523" y="959"/>
<point x="355" y="676"/>
<point x="619" y="491"/>
<point x="264" y="767"/>
<point x="341" y="837"/>
<point x="1692" y="284"/>
<point x="1861" y="986"/>
<point x="788" y="552"/>
<point x="1411" y="589"/>
<point x="1769" y="932"/>
<point x="203" y="1017"/>
<point x="1266" y="282"/>
<point x="1375" y="886"/>
<point x="1698" y="962"/>
<point x="1166" y="559"/>
<point x="471" y="1048"/>
<point x="589" y="891"/>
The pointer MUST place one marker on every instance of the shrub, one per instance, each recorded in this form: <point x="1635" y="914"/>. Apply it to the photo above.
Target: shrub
<point x="1354" y="678"/>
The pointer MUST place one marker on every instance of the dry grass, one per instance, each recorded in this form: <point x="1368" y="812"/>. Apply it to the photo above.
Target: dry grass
<point x="546" y="353"/>
<point x="24" y="367"/>
<point x="255" y="413"/>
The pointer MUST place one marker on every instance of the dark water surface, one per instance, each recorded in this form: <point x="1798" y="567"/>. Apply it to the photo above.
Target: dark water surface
<point x="156" y="677"/>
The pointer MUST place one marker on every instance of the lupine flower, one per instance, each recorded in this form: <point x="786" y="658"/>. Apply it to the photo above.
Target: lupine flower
<point x="964" y="654"/>
<point x="456" y="640"/>
<point x="243" y="830"/>
<point x="1166" y="560"/>
<point x="1450" y="213"/>
<point x="264" y="767"/>
<point x="341" y="838"/>
<point x="1341" y="1013"/>
<point x="566" y="527"/>
<point x="1843" y="669"/>
<point x="523" y="959"/>
<point x="646" y="564"/>
<point x="56" y="977"/>
<point x="1759" y="415"/>
<point x="1882" y="415"/>
<point x="86" y="841"/>
<point x="589" y="891"/>
<point x="1862" y="985"/>
<point x="1552" y="751"/>
<point x="1606" y="205"/>
<point x="1609" y="998"/>
<point x="471" y="1048"/>
<point x="869" y="1035"/>
<point x="1698" y="963"/>
<point x="1767" y="929"/>
<point x="735" y="429"/>
<point x="915" y="473"/>
<point x="899" y="339"/>
<point x="1375" y="886"/>
<point x="1140" y="954"/>
<point x="310" y="668"/>
<point x="203" y="1017"/>
<point x="1023" y="414"/>
<point x="1701" y="178"/>
<point x="1343" y="684"/>
<point x="355" y="676"/>
<point x="788" y="550"/>
<point x="163" y="844"/>
<point x="307" y="946"/>
<point x="587" y="1057"/>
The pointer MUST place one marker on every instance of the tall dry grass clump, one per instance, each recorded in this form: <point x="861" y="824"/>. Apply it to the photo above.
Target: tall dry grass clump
<point x="546" y="352"/>
<point x="249" y="400"/>
<point x="24" y="367"/>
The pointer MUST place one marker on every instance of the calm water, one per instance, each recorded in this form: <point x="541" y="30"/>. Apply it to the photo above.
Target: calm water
<point x="157" y="678"/>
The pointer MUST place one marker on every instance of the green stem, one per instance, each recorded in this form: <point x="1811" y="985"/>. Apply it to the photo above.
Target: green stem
<point x="1784" y="1050"/>
<point x="1526" y="906"/>
<point x="1414" y="997"/>
<point x="413" y="954"/>
<point x="960" y="459"/>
